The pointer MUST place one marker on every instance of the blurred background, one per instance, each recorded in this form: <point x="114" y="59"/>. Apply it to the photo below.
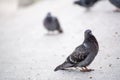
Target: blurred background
<point x="10" y="6"/>
<point x="26" y="53"/>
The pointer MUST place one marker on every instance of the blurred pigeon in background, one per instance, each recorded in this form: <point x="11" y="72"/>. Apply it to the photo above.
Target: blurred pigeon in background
<point x="83" y="55"/>
<point x="51" y="23"/>
<point x="116" y="3"/>
<point x="86" y="3"/>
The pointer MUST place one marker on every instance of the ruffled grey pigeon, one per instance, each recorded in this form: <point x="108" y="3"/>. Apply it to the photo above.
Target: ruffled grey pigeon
<point x="86" y="3"/>
<point x="51" y="23"/>
<point x="116" y="3"/>
<point x="83" y="55"/>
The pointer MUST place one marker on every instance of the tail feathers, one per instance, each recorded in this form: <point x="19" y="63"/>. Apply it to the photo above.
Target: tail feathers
<point x="59" y="68"/>
<point x="63" y="66"/>
<point x="60" y="30"/>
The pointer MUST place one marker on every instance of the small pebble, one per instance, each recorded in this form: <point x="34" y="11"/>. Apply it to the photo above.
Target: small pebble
<point x="100" y="67"/>
<point x="117" y="58"/>
<point x="29" y="78"/>
<point x="108" y="55"/>
<point x="110" y="65"/>
<point x="38" y="74"/>
<point x="116" y="32"/>
<point x="90" y="77"/>
<point x="31" y="68"/>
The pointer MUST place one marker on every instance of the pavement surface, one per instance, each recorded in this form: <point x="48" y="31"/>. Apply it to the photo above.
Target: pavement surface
<point x="27" y="53"/>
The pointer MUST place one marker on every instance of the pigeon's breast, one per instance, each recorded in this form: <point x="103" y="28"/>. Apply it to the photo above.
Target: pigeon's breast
<point x="94" y="48"/>
<point x="51" y="25"/>
<point x="91" y="47"/>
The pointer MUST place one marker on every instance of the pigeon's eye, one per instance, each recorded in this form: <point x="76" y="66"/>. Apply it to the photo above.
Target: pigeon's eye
<point x="89" y="32"/>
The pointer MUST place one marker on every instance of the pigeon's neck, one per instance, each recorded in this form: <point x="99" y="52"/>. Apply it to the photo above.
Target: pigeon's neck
<point x="91" y="40"/>
<point x="49" y="19"/>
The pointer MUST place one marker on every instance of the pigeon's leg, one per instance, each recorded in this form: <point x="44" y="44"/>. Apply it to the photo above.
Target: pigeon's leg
<point x="82" y="69"/>
<point x="85" y="69"/>
<point x="88" y="70"/>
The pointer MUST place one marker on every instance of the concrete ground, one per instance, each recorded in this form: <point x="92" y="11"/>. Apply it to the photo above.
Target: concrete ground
<point x="27" y="53"/>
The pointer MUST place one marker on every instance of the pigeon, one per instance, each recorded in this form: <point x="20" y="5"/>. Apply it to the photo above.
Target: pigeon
<point x="51" y="23"/>
<point x="86" y="3"/>
<point x="83" y="55"/>
<point x="116" y="3"/>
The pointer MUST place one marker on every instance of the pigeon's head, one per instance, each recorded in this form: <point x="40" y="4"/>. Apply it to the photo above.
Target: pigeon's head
<point x="88" y="33"/>
<point x="49" y="14"/>
<point x="49" y="17"/>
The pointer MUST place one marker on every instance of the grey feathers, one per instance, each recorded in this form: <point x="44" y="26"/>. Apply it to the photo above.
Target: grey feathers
<point x="51" y="23"/>
<point x="86" y="3"/>
<point x="115" y="3"/>
<point x="83" y="55"/>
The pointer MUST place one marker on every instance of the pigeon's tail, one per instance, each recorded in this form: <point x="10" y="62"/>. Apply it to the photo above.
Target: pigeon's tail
<point x="58" y="68"/>
<point x="60" y="30"/>
<point x="63" y="66"/>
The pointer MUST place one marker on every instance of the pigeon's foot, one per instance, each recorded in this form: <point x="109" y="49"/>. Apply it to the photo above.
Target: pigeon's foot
<point x="85" y="69"/>
<point x="117" y="10"/>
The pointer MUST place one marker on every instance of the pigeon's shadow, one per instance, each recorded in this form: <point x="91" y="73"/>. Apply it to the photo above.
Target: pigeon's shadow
<point x="75" y="71"/>
<point x="52" y="34"/>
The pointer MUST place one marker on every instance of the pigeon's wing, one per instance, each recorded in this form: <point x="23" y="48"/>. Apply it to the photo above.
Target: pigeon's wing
<point x="57" y="23"/>
<point x="79" y="54"/>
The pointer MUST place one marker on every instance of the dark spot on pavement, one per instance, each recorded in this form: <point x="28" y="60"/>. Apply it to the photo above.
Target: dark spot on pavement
<point x="117" y="58"/>
<point x="100" y="67"/>
<point x="110" y="65"/>
<point x="90" y="77"/>
<point x="116" y="32"/>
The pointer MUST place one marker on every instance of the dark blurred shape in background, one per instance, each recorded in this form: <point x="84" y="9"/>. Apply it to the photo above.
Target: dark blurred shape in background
<point x="9" y="7"/>
<point x="25" y="3"/>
